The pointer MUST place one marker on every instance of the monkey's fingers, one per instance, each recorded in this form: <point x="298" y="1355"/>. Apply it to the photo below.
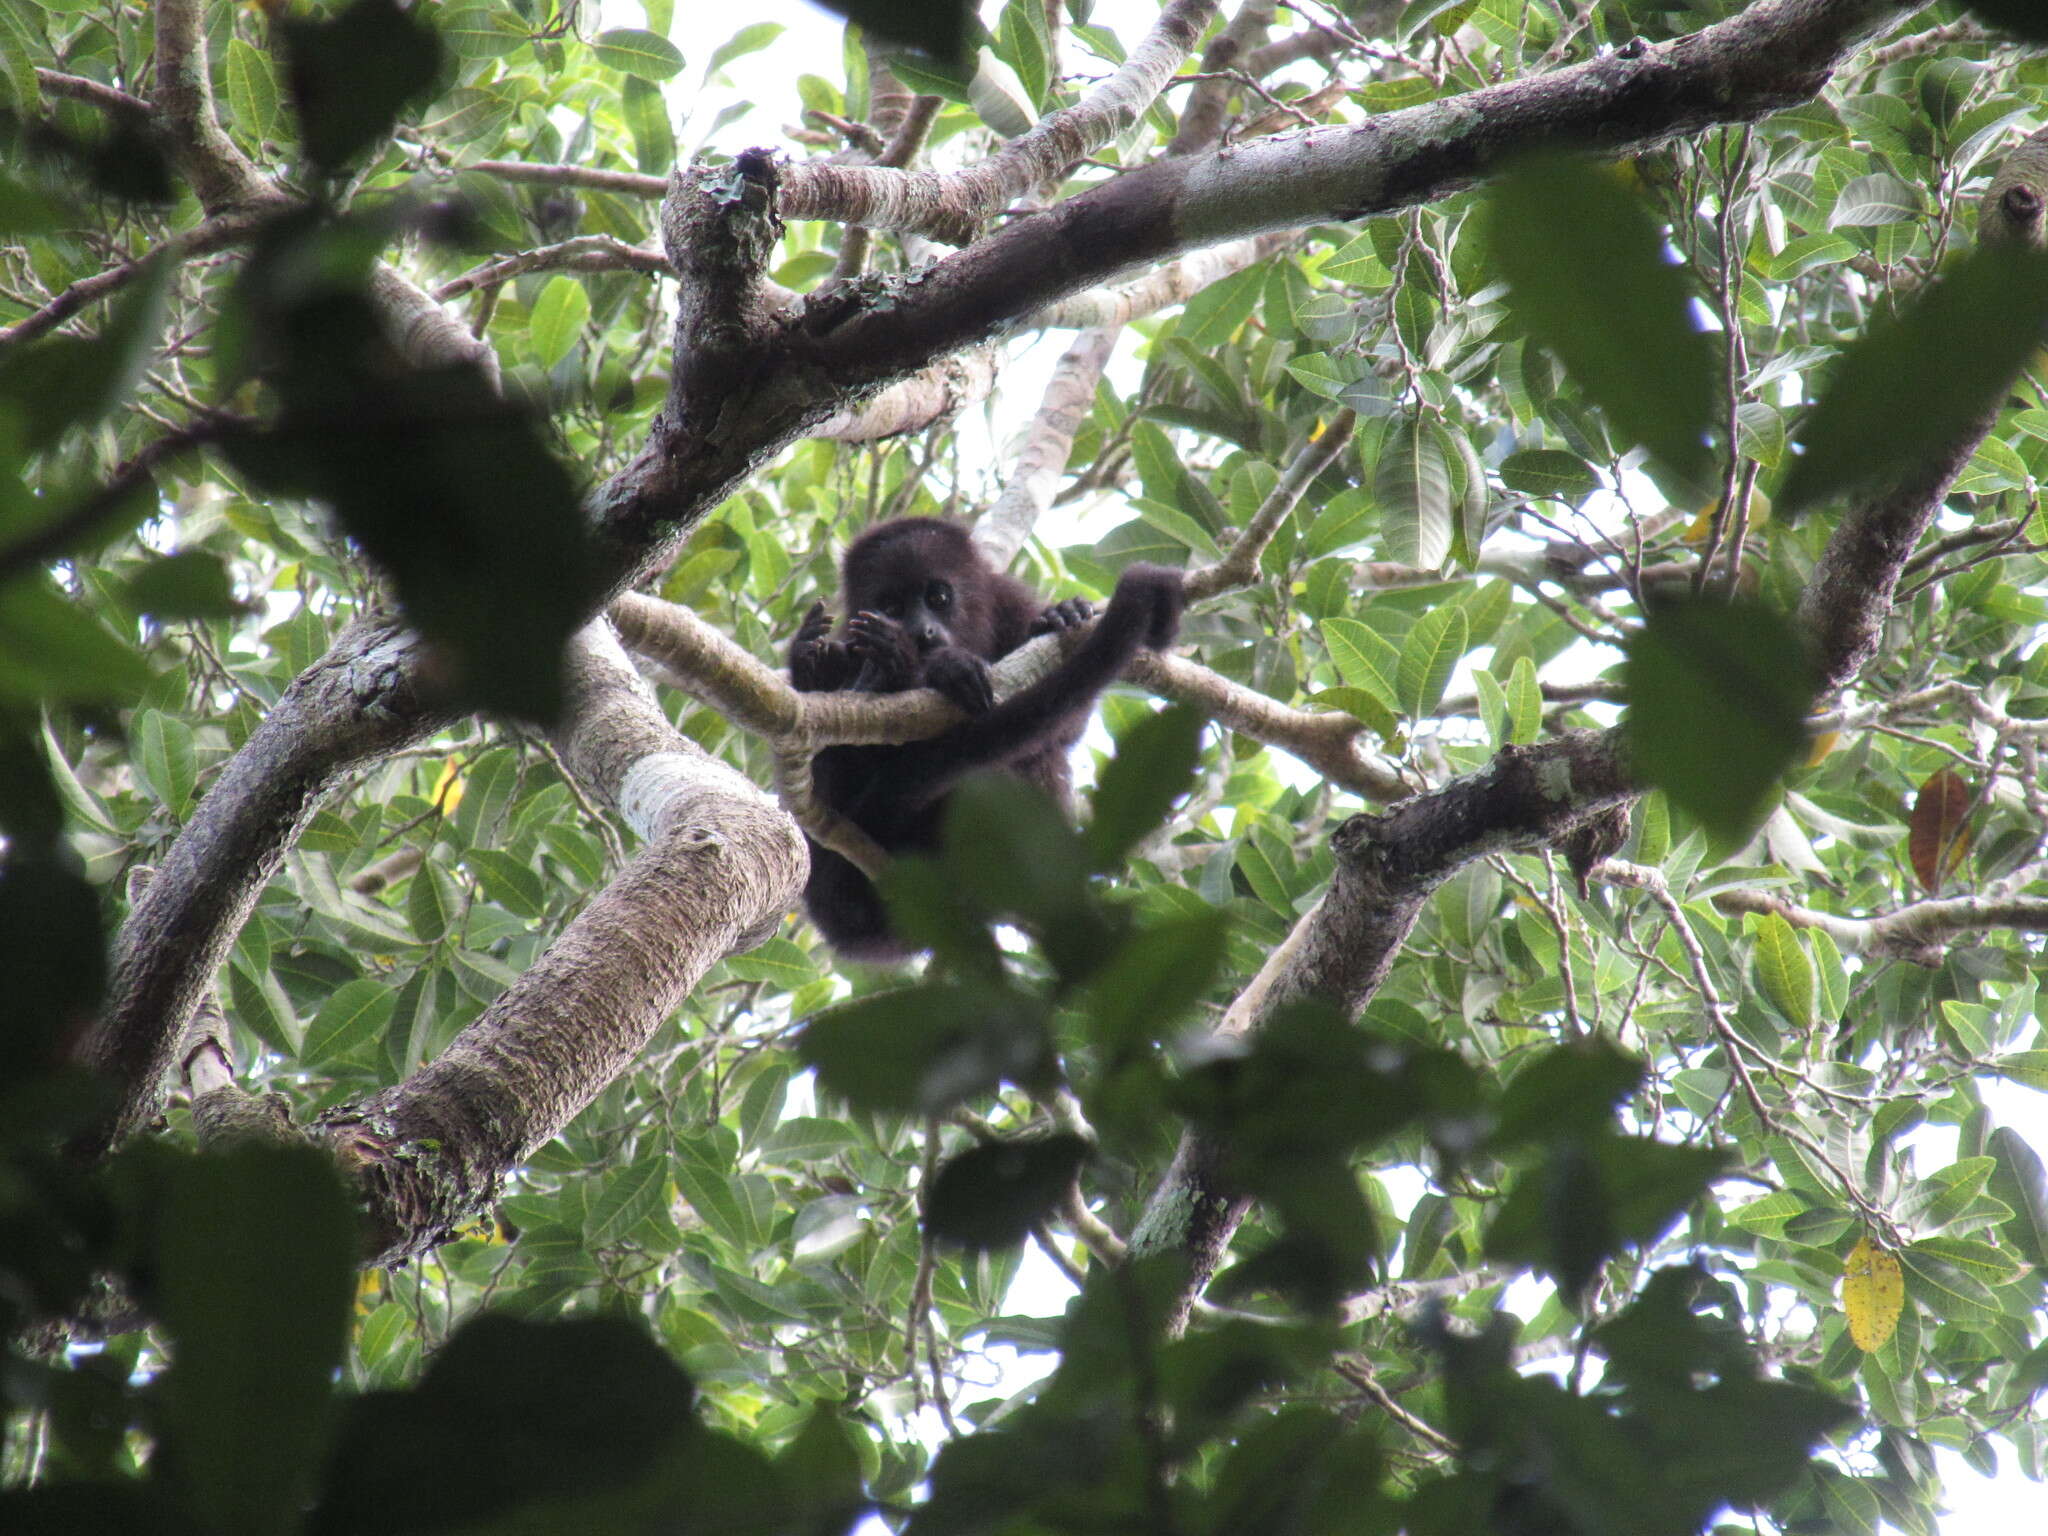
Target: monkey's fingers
<point x="1064" y="614"/>
<point x="963" y="678"/>
<point x="815" y="623"/>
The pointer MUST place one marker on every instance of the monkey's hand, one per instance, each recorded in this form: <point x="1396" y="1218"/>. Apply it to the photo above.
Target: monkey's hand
<point x="886" y="654"/>
<point x="1064" y="614"/>
<point x="1157" y="591"/>
<point x="962" y="677"/>
<point x="816" y="664"/>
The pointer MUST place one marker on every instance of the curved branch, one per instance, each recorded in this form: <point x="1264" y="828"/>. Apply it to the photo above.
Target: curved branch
<point x="214" y="234"/>
<point x="1048" y="443"/>
<point x="107" y="98"/>
<point x="585" y="253"/>
<point x="1343" y="948"/>
<point x="1773" y="55"/>
<point x="220" y="173"/>
<point x="720" y="869"/>
<point x="950" y="206"/>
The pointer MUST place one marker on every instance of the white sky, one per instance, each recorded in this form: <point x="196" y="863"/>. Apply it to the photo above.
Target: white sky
<point x="1978" y="1506"/>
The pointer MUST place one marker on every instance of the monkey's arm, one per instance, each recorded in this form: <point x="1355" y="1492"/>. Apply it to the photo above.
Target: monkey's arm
<point x="1144" y="611"/>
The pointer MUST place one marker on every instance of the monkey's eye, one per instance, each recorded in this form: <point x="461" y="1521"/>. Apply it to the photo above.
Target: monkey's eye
<point x="938" y="597"/>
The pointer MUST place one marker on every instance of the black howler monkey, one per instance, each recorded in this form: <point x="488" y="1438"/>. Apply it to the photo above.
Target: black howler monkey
<point x="925" y="609"/>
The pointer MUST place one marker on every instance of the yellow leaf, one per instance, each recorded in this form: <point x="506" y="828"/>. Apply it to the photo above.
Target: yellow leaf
<point x="448" y="788"/>
<point x="1873" y="1293"/>
<point x="1823" y="744"/>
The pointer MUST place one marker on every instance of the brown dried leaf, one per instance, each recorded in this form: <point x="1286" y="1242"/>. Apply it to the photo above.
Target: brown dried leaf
<point x="1937" y="833"/>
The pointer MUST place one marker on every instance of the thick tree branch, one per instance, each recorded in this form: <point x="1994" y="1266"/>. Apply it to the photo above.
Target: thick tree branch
<point x="107" y="98"/>
<point x="224" y="177"/>
<point x="720" y="869"/>
<point x="1048" y="442"/>
<point x="352" y="705"/>
<point x="924" y="399"/>
<point x="1773" y="55"/>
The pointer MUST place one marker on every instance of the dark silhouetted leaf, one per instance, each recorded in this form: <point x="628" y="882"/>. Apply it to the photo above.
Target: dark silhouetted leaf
<point x="52" y="650"/>
<point x="1916" y="385"/>
<point x="2022" y="18"/>
<point x="66" y="382"/>
<point x="349" y="76"/>
<point x="1570" y="1090"/>
<point x="52" y="949"/>
<point x="256" y="1258"/>
<point x="188" y="585"/>
<point x="1160" y="972"/>
<point x="925" y="1049"/>
<point x="1591" y="1197"/>
<point x="1588" y="275"/>
<point x="451" y="491"/>
<point x="939" y="27"/>
<point x="511" y="1413"/>
<point x="991" y="1197"/>
<point x="1717" y="701"/>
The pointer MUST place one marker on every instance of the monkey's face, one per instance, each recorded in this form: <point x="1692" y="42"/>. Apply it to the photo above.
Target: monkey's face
<point x="939" y="594"/>
<point x="926" y="609"/>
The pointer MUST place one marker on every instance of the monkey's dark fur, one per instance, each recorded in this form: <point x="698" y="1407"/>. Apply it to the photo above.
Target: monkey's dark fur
<point x="924" y="609"/>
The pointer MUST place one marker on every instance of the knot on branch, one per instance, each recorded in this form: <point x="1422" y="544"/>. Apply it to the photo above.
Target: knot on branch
<point x="718" y="221"/>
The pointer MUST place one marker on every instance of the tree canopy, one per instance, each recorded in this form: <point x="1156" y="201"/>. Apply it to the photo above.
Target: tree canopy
<point x="1529" y="1030"/>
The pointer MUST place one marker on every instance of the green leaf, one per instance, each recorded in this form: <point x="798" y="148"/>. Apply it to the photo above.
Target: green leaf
<point x="637" y="52"/>
<point x="1412" y="482"/>
<point x="1570" y="1090"/>
<point x="1549" y="472"/>
<point x="2019" y="1182"/>
<point x="1363" y="659"/>
<point x="165" y="758"/>
<point x="1621" y="322"/>
<point x="480" y="31"/>
<point x="749" y="39"/>
<point x="1718" y="696"/>
<point x="1946" y="1289"/>
<point x="1525" y="703"/>
<point x="1430" y="654"/>
<point x="1160" y="972"/>
<point x="252" y="92"/>
<point x="1782" y="967"/>
<point x="1912" y="388"/>
<point x="925" y="1049"/>
<point x="1878" y="199"/>
<point x="559" y="315"/>
<point x="646" y="113"/>
<point x="1155" y="764"/>
<point x="358" y="1012"/>
<point x="188" y="585"/>
<point x="52" y="650"/>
